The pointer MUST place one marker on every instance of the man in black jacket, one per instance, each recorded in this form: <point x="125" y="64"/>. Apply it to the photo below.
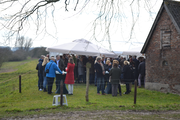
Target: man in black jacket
<point x="136" y="64"/>
<point x="40" y="73"/>
<point x="141" y="70"/>
<point x="60" y="64"/>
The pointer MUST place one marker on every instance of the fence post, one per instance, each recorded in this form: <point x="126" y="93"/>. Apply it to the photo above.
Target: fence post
<point x="135" y="91"/>
<point x="61" y="100"/>
<point x="19" y="83"/>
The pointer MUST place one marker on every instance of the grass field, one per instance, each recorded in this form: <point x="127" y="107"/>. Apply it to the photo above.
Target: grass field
<point x="32" y="101"/>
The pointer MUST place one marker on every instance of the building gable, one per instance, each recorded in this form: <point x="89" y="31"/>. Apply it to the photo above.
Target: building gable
<point x="162" y="52"/>
<point x="173" y="10"/>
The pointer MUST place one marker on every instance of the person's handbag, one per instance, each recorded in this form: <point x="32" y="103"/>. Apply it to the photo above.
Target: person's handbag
<point x="47" y="70"/>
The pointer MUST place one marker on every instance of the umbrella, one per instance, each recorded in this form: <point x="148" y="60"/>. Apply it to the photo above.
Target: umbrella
<point x="81" y="47"/>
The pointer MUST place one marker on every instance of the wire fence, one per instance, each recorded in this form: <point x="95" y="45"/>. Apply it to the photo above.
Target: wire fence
<point x="39" y="84"/>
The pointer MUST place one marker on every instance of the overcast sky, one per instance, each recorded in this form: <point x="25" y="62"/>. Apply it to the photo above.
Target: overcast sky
<point x="71" y="25"/>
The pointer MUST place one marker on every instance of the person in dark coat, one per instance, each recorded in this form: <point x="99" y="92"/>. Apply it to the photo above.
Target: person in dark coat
<point x="141" y="70"/>
<point x="70" y="75"/>
<point x="115" y="74"/>
<point x="107" y="68"/>
<point x="65" y="60"/>
<point x="100" y="75"/>
<point x="121" y="62"/>
<point x="136" y="63"/>
<point x="60" y="63"/>
<point x="103" y="60"/>
<point x="127" y="75"/>
<point x="95" y="73"/>
<point x="40" y="73"/>
<point x="80" y="70"/>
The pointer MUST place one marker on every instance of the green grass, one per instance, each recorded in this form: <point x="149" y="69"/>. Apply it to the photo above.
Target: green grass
<point x="32" y="101"/>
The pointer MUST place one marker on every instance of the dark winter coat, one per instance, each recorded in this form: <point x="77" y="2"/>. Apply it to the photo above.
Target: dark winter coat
<point x="115" y="74"/>
<point x="39" y="67"/>
<point x="107" y="67"/>
<point x="98" y="69"/>
<point x="128" y="73"/>
<point x="61" y="65"/>
<point x="80" y="68"/>
<point x="136" y="74"/>
<point x="141" y="68"/>
<point x="44" y="73"/>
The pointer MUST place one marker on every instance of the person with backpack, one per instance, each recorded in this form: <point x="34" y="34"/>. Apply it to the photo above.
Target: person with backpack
<point x="50" y="69"/>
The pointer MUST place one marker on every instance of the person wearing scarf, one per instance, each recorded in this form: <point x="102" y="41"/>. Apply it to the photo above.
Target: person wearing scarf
<point x="98" y="66"/>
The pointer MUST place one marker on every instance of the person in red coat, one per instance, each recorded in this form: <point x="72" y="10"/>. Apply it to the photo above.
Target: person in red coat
<point x="70" y="75"/>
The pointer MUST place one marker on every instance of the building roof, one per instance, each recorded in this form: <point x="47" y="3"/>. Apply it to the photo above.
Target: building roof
<point x="173" y="10"/>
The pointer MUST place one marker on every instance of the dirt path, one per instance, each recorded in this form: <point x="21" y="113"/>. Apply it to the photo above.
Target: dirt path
<point x="7" y="70"/>
<point x="10" y="69"/>
<point x="106" y="115"/>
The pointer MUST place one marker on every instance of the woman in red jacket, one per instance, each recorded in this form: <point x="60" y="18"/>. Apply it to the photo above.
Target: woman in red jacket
<point x="70" y="75"/>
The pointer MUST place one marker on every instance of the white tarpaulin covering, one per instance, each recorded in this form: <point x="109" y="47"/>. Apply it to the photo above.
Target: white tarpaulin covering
<point x="133" y="51"/>
<point x="81" y="47"/>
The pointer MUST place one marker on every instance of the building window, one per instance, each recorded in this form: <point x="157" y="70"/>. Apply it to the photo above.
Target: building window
<point x="165" y="39"/>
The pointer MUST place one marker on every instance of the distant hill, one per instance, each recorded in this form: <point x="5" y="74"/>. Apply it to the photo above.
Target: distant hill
<point x="16" y="48"/>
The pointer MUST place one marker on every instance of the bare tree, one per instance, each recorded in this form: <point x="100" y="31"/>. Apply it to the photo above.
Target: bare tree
<point x="24" y="43"/>
<point x="108" y="12"/>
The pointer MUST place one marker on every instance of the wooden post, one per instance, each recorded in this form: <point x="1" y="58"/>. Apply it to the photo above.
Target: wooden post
<point x="19" y="83"/>
<point x="88" y="66"/>
<point x="135" y="91"/>
<point x="61" y="88"/>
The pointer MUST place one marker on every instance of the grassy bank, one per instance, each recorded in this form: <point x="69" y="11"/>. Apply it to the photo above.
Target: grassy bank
<point x="32" y="101"/>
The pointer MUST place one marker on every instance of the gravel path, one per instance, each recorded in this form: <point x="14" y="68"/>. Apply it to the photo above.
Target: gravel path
<point x="106" y="115"/>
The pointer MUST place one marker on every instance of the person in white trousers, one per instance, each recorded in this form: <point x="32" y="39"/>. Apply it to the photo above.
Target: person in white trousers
<point x="70" y="75"/>
<point x="70" y="88"/>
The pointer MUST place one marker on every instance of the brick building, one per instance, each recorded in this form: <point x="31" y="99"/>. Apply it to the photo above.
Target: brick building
<point x="162" y="50"/>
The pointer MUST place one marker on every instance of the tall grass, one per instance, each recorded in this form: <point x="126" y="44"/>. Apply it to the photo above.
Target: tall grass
<point x="31" y="100"/>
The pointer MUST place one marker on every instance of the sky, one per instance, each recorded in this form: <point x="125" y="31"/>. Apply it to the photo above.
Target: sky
<point x="66" y="26"/>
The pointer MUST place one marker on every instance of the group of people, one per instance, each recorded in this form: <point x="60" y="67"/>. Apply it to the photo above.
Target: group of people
<point x="118" y="71"/>
<point x="47" y="72"/>
<point x="105" y="73"/>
